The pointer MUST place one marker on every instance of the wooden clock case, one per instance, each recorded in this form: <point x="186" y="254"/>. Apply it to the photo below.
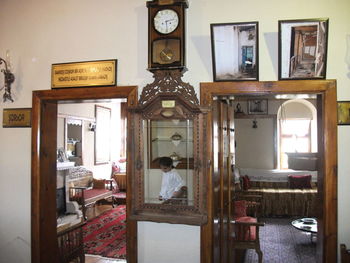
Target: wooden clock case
<point x="172" y="43"/>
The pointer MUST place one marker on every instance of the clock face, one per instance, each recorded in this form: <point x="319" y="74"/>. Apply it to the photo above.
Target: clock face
<point x="166" y="21"/>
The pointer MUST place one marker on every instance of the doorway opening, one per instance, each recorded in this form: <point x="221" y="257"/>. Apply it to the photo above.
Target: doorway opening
<point x="219" y="232"/>
<point x="91" y="140"/>
<point x="44" y="159"/>
<point x="259" y="142"/>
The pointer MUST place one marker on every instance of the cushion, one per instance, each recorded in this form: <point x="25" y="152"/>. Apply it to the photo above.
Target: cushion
<point x="240" y="208"/>
<point x="246" y="182"/>
<point x="99" y="184"/>
<point x="299" y="181"/>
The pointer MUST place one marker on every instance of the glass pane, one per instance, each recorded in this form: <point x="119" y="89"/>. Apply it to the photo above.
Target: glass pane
<point x="168" y="179"/>
<point x="295" y="127"/>
<point x="302" y="145"/>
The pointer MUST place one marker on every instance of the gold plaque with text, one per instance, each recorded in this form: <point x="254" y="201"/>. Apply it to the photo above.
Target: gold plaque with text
<point x="168" y="103"/>
<point x="84" y="74"/>
<point x="13" y="118"/>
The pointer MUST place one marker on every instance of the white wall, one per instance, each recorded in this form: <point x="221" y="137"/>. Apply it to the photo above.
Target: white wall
<point x="41" y="32"/>
<point x="255" y="147"/>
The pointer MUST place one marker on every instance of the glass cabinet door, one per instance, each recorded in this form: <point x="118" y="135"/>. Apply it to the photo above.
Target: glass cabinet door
<point x="174" y="139"/>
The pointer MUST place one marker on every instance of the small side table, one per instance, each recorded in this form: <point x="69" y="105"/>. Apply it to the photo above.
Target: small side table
<point x="307" y="225"/>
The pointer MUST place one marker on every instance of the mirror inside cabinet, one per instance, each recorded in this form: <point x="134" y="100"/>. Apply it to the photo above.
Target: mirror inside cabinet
<point x="169" y="168"/>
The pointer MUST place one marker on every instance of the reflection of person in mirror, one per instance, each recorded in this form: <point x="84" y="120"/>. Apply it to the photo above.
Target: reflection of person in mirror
<point x="171" y="180"/>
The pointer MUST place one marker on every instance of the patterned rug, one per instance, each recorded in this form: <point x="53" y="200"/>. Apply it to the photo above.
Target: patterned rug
<point x="281" y="242"/>
<point x="105" y="235"/>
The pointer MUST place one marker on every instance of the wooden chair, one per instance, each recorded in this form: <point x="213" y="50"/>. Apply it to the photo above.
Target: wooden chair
<point x="120" y="178"/>
<point x="344" y="254"/>
<point x="89" y="196"/>
<point x="71" y="245"/>
<point x="246" y="223"/>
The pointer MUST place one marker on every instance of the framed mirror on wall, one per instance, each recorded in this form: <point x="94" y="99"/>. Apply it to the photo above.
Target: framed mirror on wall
<point x="102" y="135"/>
<point x="71" y="137"/>
<point x="74" y="139"/>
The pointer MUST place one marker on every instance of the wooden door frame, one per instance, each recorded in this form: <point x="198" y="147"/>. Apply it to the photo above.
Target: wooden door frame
<point x="43" y="166"/>
<point x="327" y="236"/>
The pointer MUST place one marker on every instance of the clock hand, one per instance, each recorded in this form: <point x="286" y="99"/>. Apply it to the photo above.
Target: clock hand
<point x="165" y="54"/>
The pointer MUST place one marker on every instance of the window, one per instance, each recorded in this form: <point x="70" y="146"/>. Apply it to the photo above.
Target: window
<point x="295" y="136"/>
<point x="297" y="129"/>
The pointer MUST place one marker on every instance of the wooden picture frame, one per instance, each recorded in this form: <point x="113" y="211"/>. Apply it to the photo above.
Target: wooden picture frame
<point x="302" y="48"/>
<point x="256" y="107"/>
<point x="235" y="51"/>
<point x="343" y="112"/>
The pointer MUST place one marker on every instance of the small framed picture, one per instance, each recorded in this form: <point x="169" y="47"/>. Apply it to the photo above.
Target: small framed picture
<point x="257" y="106"/>
<point x="235" y="51"/>
<point x="302" y="49"/>
<point x="343" y="112"/>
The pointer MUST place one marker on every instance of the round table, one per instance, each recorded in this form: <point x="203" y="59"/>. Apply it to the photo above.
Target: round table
<point x="306" y="224"/>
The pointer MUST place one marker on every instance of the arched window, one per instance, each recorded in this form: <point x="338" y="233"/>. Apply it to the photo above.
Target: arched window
<point x="297" y="129"/>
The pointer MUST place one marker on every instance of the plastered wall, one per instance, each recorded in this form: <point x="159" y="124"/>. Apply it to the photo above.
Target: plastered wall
<point x="40" y="33"/>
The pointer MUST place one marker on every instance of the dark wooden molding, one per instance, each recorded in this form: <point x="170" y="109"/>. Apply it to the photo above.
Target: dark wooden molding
<point x="43" y="167"/>
<point x="326" y="90"/>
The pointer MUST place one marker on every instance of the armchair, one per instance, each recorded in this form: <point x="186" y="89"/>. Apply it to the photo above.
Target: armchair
<point x="86" y="197"/>
<point x="246" y="224"/>
<point x="344" y="254"/>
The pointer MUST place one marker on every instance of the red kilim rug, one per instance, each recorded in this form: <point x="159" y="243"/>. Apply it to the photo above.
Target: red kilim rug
<point x="105" y="235"/>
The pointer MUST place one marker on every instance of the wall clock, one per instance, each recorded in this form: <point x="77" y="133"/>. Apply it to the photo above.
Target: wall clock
<point x="166" y="34"/>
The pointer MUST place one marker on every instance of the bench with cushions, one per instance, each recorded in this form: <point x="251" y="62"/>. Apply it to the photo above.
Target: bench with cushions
<point x="287" y="202"/>
<point x="88" y="195"/>
<point x="297" y="197"/>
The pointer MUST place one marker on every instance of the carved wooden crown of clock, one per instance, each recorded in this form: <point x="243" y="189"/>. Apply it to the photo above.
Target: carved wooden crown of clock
<point x="166" y="34"/>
